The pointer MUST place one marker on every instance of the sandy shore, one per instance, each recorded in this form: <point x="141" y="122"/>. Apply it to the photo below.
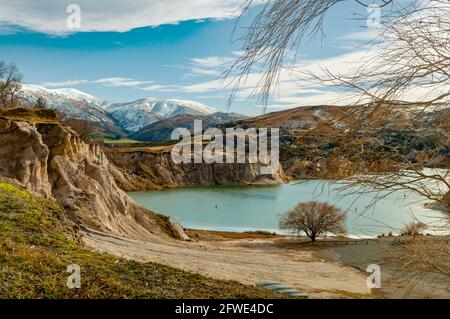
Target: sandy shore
<point x="336" y="269"/>
<point x="248" y="260"/>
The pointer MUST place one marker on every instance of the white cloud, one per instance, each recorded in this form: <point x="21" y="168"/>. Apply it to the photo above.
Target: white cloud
<point x="291" y="91"/>
<point x="162" y="88"/>
<point x="120" y="82"/>
<point x="201" y="72"/>
<point x="64" y="83"/>
<point x="7" y="29"/>
<point x="50" y="16"/>
<point x="211" y="61"/>
<point x="112" y="81"/>
<point x="201" y="87"/>
<point x="366" y="35"/>
<point x="204" y="66"/>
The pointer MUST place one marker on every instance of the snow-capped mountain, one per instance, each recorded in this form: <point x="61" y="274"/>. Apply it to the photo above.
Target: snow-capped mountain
<point x="117" y="118"/>
<point x="137" y="114"/>
<point x="72" y="102"/>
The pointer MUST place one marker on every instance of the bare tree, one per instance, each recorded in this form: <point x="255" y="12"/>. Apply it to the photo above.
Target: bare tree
<point x="410" y="55"/>
<point x="421" y="265"/>
<point x="414" y="55"/>
<point x="40" y="103"/>
<point x="82" y="127"/>
<point x="314" y="219"/>
<point x="10" y="84"/>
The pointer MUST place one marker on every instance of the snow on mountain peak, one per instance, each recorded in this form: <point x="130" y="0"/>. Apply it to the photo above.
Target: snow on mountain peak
<point x="135" y="115"/>
<point x="130" y="116"/>
<point x="75" y="94"/>
<point x="72" y="102"/>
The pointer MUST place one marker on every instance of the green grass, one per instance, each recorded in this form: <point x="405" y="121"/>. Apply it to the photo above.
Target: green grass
<point x="33" y="115"/>
<point x="35" y="253"/>
<point x="120" y="141"/>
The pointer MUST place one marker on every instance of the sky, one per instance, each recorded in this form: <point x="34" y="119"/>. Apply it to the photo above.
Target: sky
<point x="127" y="50"/>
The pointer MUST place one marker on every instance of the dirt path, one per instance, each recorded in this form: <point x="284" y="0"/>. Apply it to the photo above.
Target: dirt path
<point x="245" y="260"/>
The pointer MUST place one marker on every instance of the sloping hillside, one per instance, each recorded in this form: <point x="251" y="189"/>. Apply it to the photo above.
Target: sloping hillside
<point x="35" y="253"/>
<point x="161" y="131"/>
<point x="311" y="138"/>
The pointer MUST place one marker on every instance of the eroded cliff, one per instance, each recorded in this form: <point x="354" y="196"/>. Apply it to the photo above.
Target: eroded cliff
<point x="153" y="168"/>
<point x="50" y="160"/>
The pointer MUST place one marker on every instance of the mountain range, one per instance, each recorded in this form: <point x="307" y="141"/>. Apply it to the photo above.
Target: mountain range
<point x="125" y="119"/>
<point x="136" y="115"/>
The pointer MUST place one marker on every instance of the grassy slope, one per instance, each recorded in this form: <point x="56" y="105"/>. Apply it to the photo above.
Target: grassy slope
<point x="34" y="115"/>
<point x="35" y="253"/>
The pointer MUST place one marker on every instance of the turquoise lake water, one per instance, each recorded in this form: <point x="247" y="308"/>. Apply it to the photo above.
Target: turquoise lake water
<point x="248" y="208"/>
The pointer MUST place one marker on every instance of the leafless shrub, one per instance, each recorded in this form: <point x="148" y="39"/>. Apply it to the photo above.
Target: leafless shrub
<point x="421" y="266"/>
<point x="40" y="103"/>
<point x="314" y="219"/>
<point x="82" y="127"/>
<point x="414" y="228"/>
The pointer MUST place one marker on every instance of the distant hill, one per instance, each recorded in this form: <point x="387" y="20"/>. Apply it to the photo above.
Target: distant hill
<point x="304" y="117"/>
<point x="310" y="136"/>
<point x="161" y="131"/>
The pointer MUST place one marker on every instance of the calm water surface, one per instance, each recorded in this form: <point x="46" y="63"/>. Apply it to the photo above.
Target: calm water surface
<point x="245" y="208"/>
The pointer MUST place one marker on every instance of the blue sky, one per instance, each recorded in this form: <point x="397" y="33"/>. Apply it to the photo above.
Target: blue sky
<point x="120" y="55"/>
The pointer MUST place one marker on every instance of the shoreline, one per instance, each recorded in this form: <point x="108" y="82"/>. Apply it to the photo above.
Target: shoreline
<point x="357" y="228"/>
<point x="212" y="233"/>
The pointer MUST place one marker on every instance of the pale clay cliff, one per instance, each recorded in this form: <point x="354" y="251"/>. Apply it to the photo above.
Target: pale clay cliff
<point x="50" y="160"/>
<point x="145" y="168"/>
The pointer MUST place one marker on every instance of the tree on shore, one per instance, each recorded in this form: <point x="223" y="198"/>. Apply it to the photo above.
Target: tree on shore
<point x="315" y="219"/>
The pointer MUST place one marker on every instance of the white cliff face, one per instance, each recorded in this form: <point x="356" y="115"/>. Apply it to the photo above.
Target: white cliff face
<point x="23" y="157"/>
<point x="135" y="115"/>
<point x="51" y="160"/>
<point x="142" y="169"/>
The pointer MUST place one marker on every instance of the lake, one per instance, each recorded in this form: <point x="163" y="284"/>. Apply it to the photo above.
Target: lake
<point x="249" y="208"/>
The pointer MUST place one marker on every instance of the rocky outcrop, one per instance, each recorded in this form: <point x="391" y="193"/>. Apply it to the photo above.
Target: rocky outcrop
<point x="153" y="168"/>
<point x="50" y="160"/>
<point x="23" y="156"/>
